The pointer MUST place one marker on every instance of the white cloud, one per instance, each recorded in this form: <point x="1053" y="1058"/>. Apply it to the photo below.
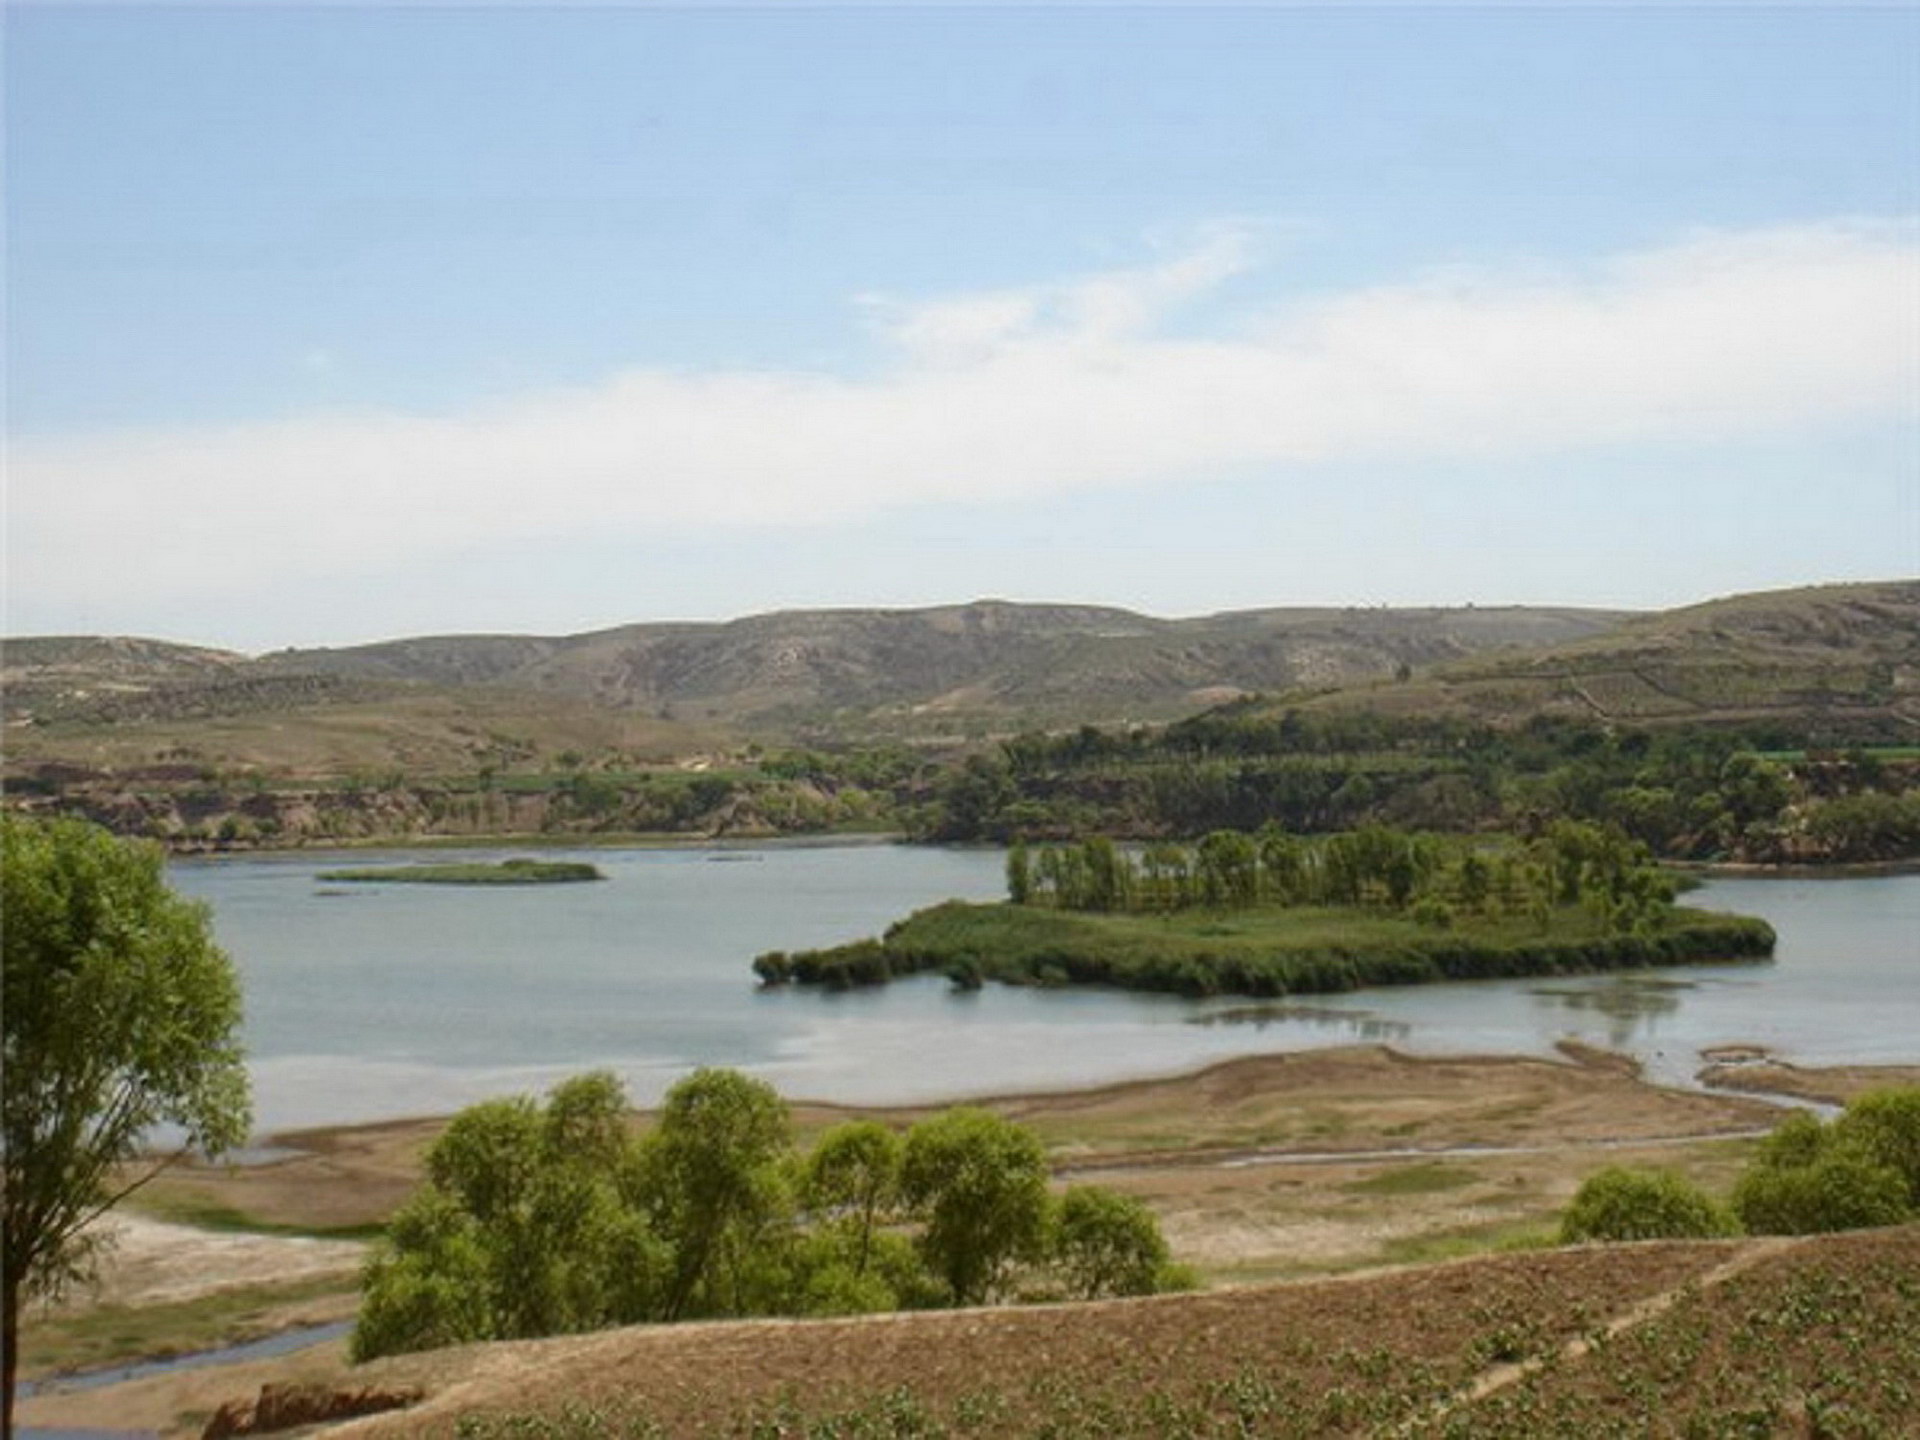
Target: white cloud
<point x="1007" y="395"/>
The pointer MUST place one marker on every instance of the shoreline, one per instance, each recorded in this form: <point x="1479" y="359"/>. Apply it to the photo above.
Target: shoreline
<point x="1749" y="870"/>
<point x="1725" y="1071"/>
<point x="834" y="839"/>
<point x="534" y="840"/>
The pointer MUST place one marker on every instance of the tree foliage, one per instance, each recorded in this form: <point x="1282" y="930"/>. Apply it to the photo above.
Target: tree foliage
<point x="1808" y="1177"/>
<point x="1862" y="1169"/>
<point x="120" y="1015"/>
<point x="1108" y="1244"/>
<point x="538" y="1219"/>
<point x="980" y="1183"/>
<point x="1622" y="1204"/>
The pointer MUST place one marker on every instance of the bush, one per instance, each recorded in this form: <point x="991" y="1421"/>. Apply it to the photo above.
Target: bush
<point x="1842" y="1188"/>
<point x="1885" y="1124"/>
<point x="1621" y="1204"/>
<point x="1864" y="1169"/>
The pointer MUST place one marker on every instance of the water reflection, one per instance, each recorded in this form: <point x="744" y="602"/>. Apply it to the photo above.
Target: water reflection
<point x="1627" y="1002"/>
<point x="1362" y="1023"/>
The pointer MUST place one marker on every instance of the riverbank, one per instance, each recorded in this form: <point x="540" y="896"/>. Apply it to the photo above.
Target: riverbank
<point x="1262" y="1168"/>
<point x="1358" y="1100"/>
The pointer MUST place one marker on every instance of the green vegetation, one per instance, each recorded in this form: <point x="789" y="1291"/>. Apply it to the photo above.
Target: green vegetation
<point x="1622" y="1204"/>
<point x="1262" y="953"/>
<point x="543" y="1220"/>
<point x="1272" y="915"/>
<point x="120" y="1015"/>
<point x="1808" y="1178"/>
<point x="506" y="872"/>
<point x="1695" y="793"/>
<point x="1862" y="1169"/>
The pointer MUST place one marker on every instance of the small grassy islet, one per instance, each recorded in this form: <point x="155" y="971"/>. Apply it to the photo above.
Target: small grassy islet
<point x="506" y="872"/>
<point x="1261" y="952"/>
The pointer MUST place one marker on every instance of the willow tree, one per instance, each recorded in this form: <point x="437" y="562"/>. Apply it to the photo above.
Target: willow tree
<point x="120" y="1017"/>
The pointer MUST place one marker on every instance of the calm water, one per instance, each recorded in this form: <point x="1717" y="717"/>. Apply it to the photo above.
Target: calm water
<point x="370" y="1002"/>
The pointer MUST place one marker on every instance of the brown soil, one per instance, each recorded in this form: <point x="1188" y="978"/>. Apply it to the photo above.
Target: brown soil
<point x="1318" y="1332"/>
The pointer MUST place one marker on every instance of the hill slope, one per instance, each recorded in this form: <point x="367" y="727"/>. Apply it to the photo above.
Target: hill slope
<point x="1750" y="1336"/>
<point x="949" y="670"/>
<point x="1845" y="656"/>
<point x="991" y="658"/>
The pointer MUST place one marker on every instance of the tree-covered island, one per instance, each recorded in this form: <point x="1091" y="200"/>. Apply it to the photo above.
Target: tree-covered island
<point x="1271" y="914"/>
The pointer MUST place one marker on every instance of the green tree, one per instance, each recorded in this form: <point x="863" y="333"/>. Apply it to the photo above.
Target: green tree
<point x="1811" y="1177"/>
<point x="980" y="1182"/>
<point x="1622" y="1204"/>
<point x="1019" y="873"/>
<point x="1106" y="1243"/>
<point x="1885" y="1124"/>
<point x="854" y="1173"/>
<point x="120" y="1015"/>
<point x="713" y="1183"/>
<point x="528" y="1225"/>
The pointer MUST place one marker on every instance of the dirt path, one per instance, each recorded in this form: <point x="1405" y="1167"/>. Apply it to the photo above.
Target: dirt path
<point x="1503" y="1377"/>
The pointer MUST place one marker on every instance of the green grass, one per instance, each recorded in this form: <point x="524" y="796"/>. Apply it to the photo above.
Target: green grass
<point x="507" y="872"/>
<point x="224" y="1219"/>
<point x="106" y="1335"/>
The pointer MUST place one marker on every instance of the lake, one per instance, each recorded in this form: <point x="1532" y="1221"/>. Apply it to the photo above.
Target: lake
<point x="370" y="1002"/>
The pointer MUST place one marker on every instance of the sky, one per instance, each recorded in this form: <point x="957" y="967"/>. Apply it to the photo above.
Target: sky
<point x="340" y="322"/>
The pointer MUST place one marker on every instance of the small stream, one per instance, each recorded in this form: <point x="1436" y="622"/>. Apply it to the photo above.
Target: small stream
<point x="286" y="1342"/>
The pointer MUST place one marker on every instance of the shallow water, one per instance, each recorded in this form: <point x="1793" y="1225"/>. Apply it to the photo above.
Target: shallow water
<point x="372" y="1002"/>
<point x="286" y="1342"/>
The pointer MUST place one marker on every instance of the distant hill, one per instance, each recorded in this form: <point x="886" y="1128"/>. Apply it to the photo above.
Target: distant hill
<point x="991" y="660"/>
<point x="1846" y="654"/>
<point x="446" y="701"/>
<point x="1840" y="657"/>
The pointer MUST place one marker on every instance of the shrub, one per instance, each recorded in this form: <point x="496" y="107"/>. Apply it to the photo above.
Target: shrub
<point x="1842" y="1189"/>
<point x="1622" y="1204"/>
<point x="1885" y="1124"/>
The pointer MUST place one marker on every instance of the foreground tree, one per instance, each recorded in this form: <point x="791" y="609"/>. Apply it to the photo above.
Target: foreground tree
<point x="120" y="1016"/>
<point x="540" y="1219"/>
<point x="1106" y="1243"/>
<point x="980" y="1182"/>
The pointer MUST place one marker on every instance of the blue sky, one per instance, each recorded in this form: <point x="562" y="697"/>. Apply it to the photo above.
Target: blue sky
<point x="341" y="322"/>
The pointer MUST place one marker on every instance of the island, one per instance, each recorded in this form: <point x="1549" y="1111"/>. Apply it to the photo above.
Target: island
<point x="506" y="872"/>
<point x="1270" y="915"/>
